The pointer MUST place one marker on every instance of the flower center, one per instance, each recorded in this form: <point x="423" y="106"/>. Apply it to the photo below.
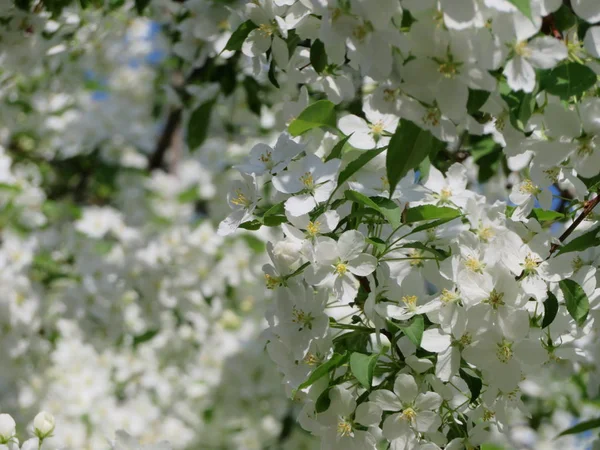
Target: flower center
<point x="240" y="199"/>
<point x="531" y="263"/>
<point x="466" y="339"/>
<point x="527" y="187"/>
<point x="272" y="282"/>
<point x="360" y="32"/>
<point x="445" y="194"/>
<point x="504" y="351"/>
<point x="267" y="29"/>
<point x="313" y="228"/>
<point x="432" y="117"/>
<point x="585" y="149"/>
<point x="416" y="256"/>
<point x="495" y="299"/>
<point x="488" y="415"/>
<point x="552" y="174"/>
<point x="448" y="296"/>
<point x="341" y="268"/>
<point x="410" y="301"/>
<point x="266" y="157"/>
<point x="302" y="318"/>
<point x="486" y="233"/>
<point x="521" y="49"/>
<point x="376" y="128"/>
<point x="344" y="428"/>
<point x="474" y="264"/>
<point x="448" y="69"/>
<point x="311" y="360"/>
<point x="307" y="180"/>
<point x="409" y="414"/>
<point x="577" y="263"/>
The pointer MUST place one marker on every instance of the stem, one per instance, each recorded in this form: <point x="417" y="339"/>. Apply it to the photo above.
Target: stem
<point x="164" y="142"/>
<point x="587" y="209"/>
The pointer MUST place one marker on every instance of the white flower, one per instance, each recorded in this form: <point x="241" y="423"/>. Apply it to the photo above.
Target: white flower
<point x="43" y="424"/>
<point x="7" y="428"/>
<point x="366" y="136"/>
<point x="263" y="158"/>
<point x="311" y="179"/>
<point x="242" y="199"/>
<point x="413" y="410"/>
<point x="340" y="263"/>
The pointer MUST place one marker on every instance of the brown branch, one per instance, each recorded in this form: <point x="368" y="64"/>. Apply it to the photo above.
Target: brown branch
<point x="587" y="209"/>
<point x="164" y="142"/>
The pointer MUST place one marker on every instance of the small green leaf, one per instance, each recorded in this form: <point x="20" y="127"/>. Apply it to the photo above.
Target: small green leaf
<point x="144" y="337"/>
<point x="387" y="208"/>
<point x="378" y="244"/>
<point x="362" y="367"/>
<point x="252" y="88"/>
<point x="336" y="151"/>
<point x="251" y="225"/>
<point x="524" y="6"/>
<point x="568" y="80"/>
<point x="355" y="165"/>
<point x="582" y="426"/>
<point x="475" y="384"/>
<point x="545" y="215"/>
<point x="576" y="299"/>
<point x="413" y="329"/>
<point x="319" y="114"/>
<point x="197" y="128"/>
<point x="275" y="210"/>
<point x="581" y="243"/>
<point x="429" y="212"/>
<point x="408" y="147"/>
<point x="271" y="75"/>
<point x="140" y="5"/>
<point x="238" y="37"/>
<point x="334" y="362"/>
<point x="323" y="401"/>
<point x="550" y="309"/>
<point x="476" y="100"/>
<point x="318" y="57"/>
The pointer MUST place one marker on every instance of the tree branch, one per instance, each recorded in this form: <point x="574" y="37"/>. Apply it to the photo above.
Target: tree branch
<point x="587" y="209"/>
<point x="156" y="160"/>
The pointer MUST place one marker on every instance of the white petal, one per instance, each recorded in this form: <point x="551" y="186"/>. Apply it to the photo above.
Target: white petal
<point x="300" y="204"/>
<point x="546" y="52"/>
<point x="405" y="388"/>
<point x="350" y="245"/>
<point x="435" y="341"/>
<point x="280" y="52"/>
<point x="387" y="400"/>
<point x="428" y="421"/>
<point x="587" y="9"/>
<point x="592" y="41"/>
<point x="363" y="265"/>
<point x="520" y="75"/>
<point x="368" y="413"/>
<point x="428" y="401"/>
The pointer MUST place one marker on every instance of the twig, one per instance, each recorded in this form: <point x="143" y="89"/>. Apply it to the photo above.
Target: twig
<point x="164" y="142"/>
<point x="587" y="209"/>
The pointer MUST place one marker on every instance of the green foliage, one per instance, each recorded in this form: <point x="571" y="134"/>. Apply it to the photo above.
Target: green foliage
<point x="413" y="329"/>
<point x="336" y="151"/>
<point x="429" y="212"/>
<point x="474" y="383"/>
<point x="576" y="299"/>
<point x="355" y="165"/>
<point x="238" y="37"/>
<point x="334" y="362"/>
<point x="198" y="124"/>
<point x="583" y="242"/>
<point x="524" y="6"/>
<point x="582" y="426"/>
<point x="362" y="367"/>
<point x="318" y="56"/>
<point x="409" y="145"/>
<point x="568" y="80"/>
<point x="319" y="114"/>
<point x="387" y="208"/>
<point x="550" y="309"/>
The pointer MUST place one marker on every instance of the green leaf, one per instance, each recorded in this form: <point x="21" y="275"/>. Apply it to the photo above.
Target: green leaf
<point x="545" y="215"/>
<point x="419" y="245"/>
<point x="580" y="243"/>
<point x="319" y="114"/>
<point x="318" y="57"/>
<point x="550" y="309"/>
<point x="408" y="147"/>
<point x="197" y="128"/>
<point x="429" y="212"/>
<point x="336" y="151"/>
<point x="524" y="6"/>
<point x="564" y="18"/>
<point x="475" y="384"/>
<point x="355" y="165"/>
<point x="476" y="100"/>
<point x="435" y="223"/>
<point x="323" y="401"/>
<point x="362" y="367"/>
<point x="582" y="426"/>
<point x="334" y="362"/>
<point x="144" y="337"/>
<point x="568" y="80"/>
<point x="413" y="329"/>
<point x="387" y="208"/>
<point x="239" y="36"/>
<point x="271" y="75"/>
<point x="378" y="244"/>
<point x="275" y="210"/>
<point x="576" y="299"/>
<point x="140" y="5"/>
<point x="252" y="88"/>
<point x="251" y="225"/>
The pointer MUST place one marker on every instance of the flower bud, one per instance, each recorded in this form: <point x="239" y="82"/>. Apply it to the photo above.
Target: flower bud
<point x="7" y="428"/>
<point x="43" y="424"/>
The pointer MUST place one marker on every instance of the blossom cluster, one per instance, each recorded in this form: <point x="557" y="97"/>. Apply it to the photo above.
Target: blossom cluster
<point x="412" y="304"/>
